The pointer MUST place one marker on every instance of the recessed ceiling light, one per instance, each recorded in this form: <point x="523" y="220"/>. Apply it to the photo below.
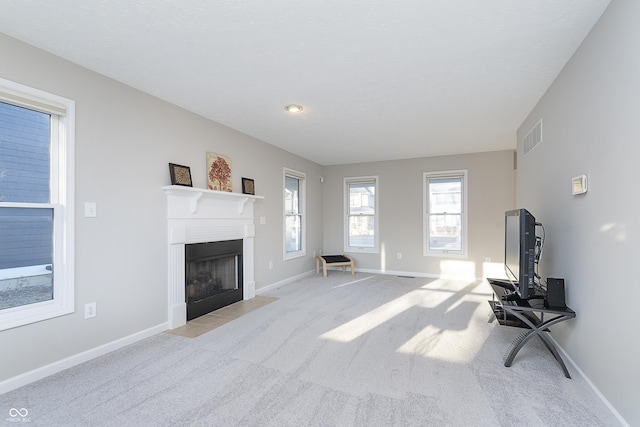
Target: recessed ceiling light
<point x="293" y="108"/>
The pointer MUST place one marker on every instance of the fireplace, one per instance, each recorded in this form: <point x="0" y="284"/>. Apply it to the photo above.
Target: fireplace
<point x="213" y="276"/>
<point x="196" y="216"/>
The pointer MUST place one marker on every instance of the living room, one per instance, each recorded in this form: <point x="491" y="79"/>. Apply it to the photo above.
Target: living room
<point x="124" y="139"/>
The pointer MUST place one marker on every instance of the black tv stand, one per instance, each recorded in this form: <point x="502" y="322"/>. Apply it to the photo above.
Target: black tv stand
<point x="529" y="313"/>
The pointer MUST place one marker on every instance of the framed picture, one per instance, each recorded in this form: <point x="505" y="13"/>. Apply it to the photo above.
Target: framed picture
<point x="248" y="186"/>
<point x="180" y="175"/>
<point x="218" y="172"/>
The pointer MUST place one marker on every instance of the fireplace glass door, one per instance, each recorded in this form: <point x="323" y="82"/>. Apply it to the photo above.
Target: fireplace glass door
<point x="213" y="276"/>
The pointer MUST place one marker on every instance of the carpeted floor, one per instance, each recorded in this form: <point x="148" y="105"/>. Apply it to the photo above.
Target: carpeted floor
<point x="363" y="350"/>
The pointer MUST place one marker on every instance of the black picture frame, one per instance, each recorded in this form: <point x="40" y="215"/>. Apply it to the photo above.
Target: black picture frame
<point x="180" y="175"/>
<point x="248" y="186"/>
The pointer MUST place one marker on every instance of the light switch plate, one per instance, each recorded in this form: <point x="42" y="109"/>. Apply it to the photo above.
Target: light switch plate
<point x="90" y="210"/>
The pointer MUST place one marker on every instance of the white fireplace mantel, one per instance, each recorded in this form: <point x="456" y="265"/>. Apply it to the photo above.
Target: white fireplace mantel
<point x="193" y="196"/>
<point x="196" y="215"/>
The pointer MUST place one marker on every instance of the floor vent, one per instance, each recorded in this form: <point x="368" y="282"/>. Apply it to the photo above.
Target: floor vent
<point x="533" y="137"/>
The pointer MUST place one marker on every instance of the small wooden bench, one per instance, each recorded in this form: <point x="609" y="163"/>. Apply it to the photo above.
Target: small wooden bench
<point x="334" y="261"/>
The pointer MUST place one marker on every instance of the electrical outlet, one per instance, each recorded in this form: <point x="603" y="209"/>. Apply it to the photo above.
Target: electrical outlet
<point x="90" y="310"/>
<point x="399" y="255"/>
<point x="270" y="265"/>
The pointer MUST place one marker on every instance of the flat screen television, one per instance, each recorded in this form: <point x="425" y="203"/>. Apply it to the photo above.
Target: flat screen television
<point x="520" y="251"/>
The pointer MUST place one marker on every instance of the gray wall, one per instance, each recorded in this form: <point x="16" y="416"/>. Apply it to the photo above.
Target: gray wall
<point x="491" y="192"/>
<point x="590" y="126"/>
<point x="124" y="141"/>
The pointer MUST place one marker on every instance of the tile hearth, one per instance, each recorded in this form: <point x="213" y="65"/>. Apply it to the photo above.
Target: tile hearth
<point x="208" y="322"/>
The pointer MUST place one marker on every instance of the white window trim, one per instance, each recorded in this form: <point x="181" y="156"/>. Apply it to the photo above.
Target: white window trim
<point x="376" y="229"/>
<point x="62" y="201"/>
<point x="303" y="220"/>
<point x="465" y="213"/>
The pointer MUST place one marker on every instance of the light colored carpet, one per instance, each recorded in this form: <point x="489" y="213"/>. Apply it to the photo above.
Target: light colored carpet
<point x="363" y="350"/>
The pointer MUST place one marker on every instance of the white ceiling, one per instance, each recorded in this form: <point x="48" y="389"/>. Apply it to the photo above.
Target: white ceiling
<point x="378" y="80"/>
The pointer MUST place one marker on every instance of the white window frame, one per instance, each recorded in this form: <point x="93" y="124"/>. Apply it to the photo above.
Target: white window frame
<point x="62" y="183"/>
<point x="302" y="196"/>
<point x="376" y="227"/>
<point x="461" y="173"/>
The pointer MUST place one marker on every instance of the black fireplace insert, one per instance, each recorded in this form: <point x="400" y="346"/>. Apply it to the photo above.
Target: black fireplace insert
<point x="213" y="276"/>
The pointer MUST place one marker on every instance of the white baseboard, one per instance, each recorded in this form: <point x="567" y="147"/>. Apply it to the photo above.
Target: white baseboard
<point x="595" y="389"/>
<point x="61" y="365"/>
<point x="393" y="272"/>
<point x="416" y="274"/>
<point x="276" y="285"/>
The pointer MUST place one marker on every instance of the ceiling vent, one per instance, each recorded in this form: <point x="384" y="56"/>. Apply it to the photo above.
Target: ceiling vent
<point x="533" y="137"/>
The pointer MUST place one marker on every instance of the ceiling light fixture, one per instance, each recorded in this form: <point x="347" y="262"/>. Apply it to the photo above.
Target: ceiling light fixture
<point x="293" y="108"/>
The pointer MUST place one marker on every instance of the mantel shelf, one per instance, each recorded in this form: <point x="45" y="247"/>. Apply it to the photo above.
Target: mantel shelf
<point x="194" y="195"/>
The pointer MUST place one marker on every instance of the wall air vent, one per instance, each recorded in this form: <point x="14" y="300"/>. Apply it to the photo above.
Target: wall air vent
<point x="533" y="137"/>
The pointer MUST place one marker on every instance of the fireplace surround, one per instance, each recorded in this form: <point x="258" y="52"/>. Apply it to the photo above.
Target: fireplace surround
<point x="199" y="216"/>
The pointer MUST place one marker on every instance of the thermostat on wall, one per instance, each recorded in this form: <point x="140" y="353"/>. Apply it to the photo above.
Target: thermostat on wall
<point x="579" y="184"/>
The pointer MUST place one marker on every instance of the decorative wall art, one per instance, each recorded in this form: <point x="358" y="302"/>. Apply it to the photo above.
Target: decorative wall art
<point x="248" y="186"/>
<point x="180" y="175"/>
<point x="218" y="172"/>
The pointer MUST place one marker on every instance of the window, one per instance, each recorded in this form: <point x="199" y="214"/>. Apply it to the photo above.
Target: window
<point x="361" y="218"/>
<point x="36" y="205"/>
<point x="294" y="221"/>
<point x="445" y="213"/>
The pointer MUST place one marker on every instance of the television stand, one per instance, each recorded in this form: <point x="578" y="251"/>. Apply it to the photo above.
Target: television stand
<point x="530" y="315"/>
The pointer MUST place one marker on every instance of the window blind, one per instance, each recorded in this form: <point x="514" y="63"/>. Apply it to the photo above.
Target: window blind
<point x="26" y="101"/>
